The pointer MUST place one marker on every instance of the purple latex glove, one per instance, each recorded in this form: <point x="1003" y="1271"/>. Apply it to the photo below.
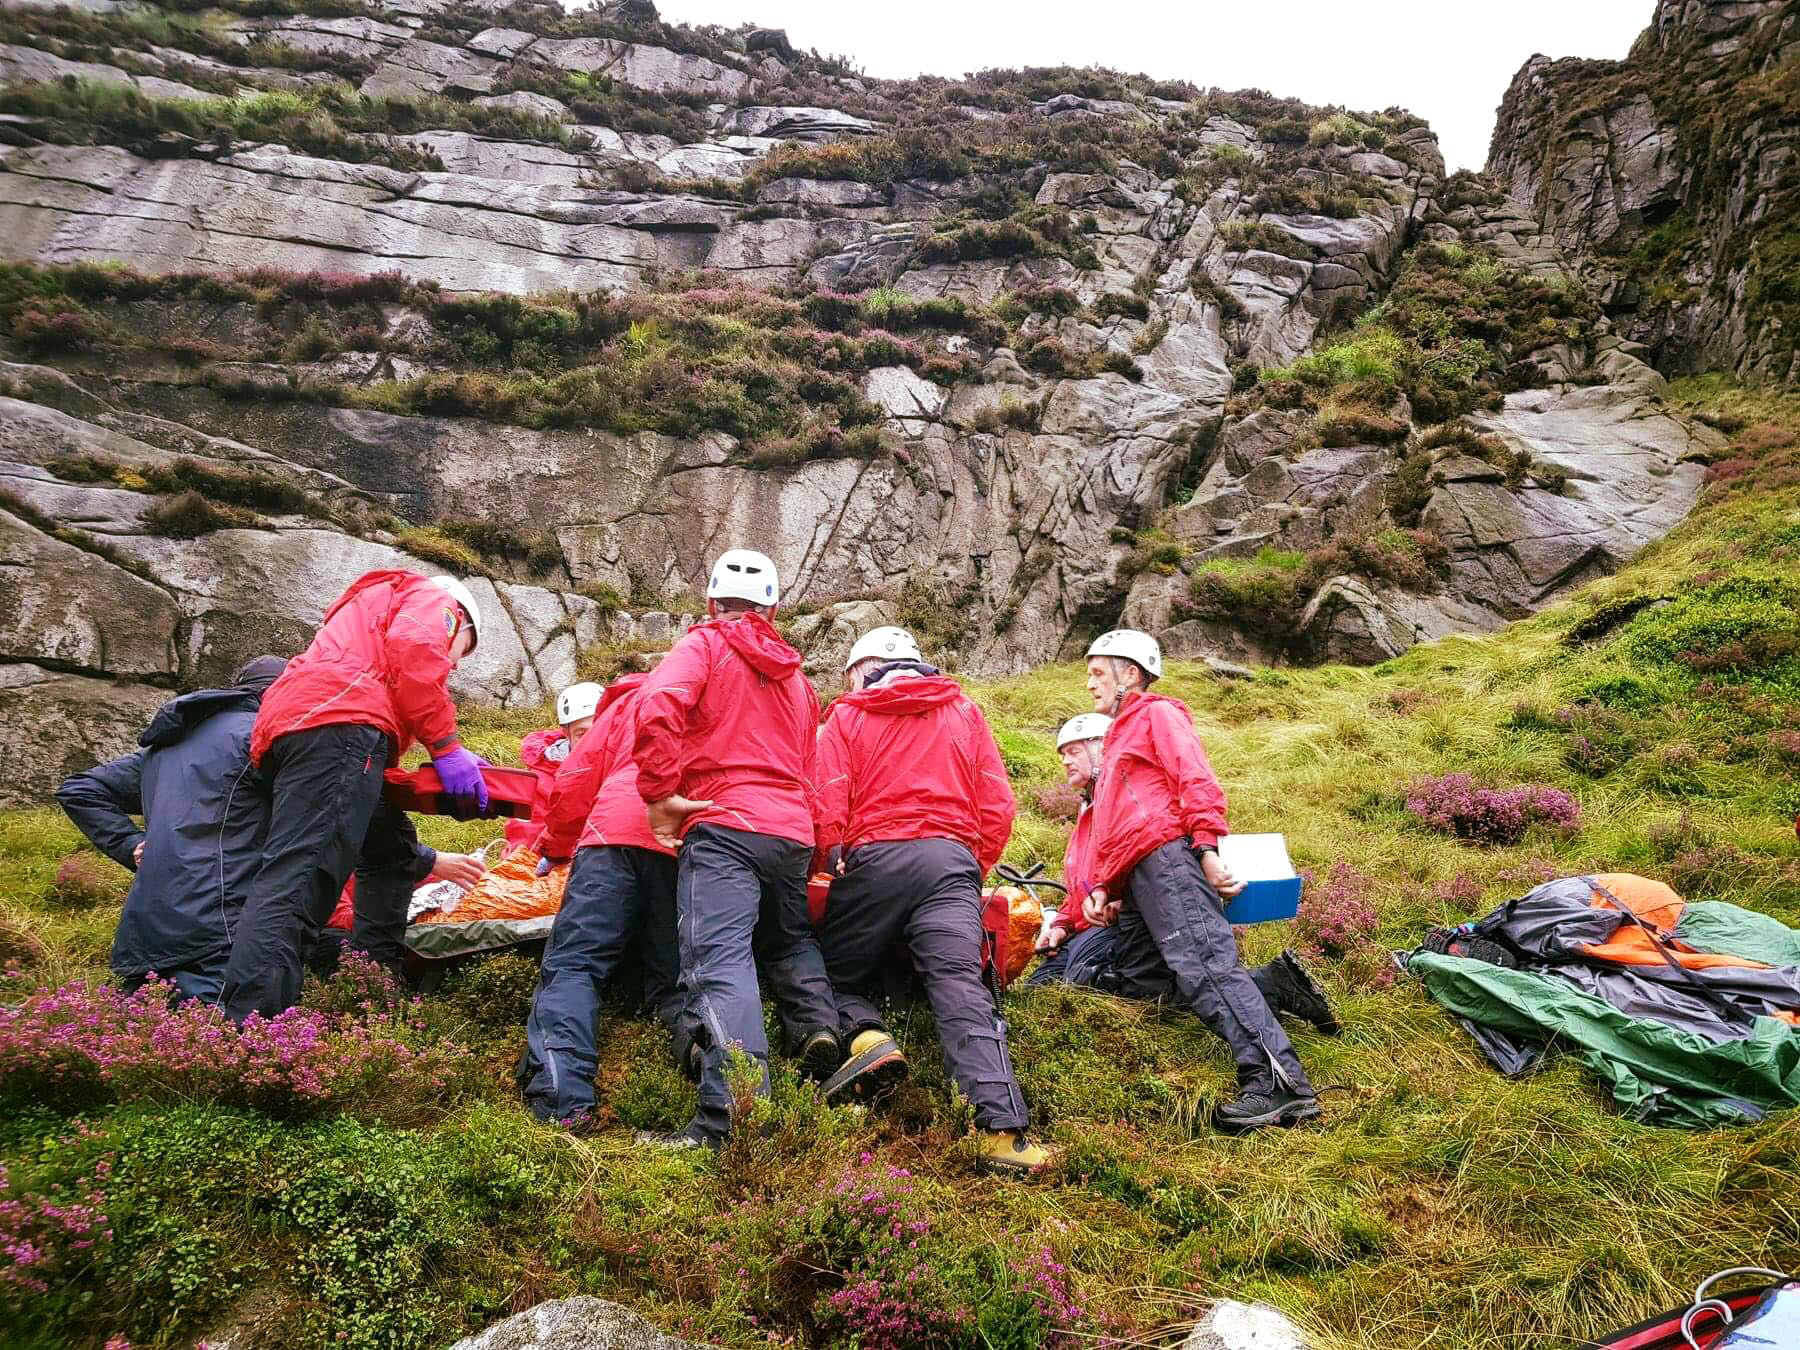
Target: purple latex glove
<point x="460" y="773"/>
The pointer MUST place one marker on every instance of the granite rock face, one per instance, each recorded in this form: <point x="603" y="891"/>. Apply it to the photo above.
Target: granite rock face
<point x="1671" y="180"/>
<point x="1006" y="498"/>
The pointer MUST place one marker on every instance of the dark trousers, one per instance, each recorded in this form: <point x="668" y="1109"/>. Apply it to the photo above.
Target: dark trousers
<point x="618" y="900"/>
<point x="326" y="819"/>
<point x="1086" y="958"/>
<point x="925" y="893"/>
<point x="1173" y="924"/>
<point x="740" y="901"/>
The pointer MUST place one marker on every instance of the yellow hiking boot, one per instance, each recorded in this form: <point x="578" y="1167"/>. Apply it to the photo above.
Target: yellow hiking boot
<point x="874" y="1069"/>
<point x="1010" y="1153"/>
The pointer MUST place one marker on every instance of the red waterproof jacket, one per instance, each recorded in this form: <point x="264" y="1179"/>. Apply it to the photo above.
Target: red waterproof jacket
<point x="381" y="658"/>
<point x="728" y="717"/>
<point x="595" y="800"/>
<point x="1078" y="872"/>
<point x="1155" y="785"/>
<point x="543" y="752"/>
<point x="912" y="759"/>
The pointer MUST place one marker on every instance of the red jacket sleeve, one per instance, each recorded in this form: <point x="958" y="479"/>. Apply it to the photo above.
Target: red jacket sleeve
<point x="994" y="802"/>
<point x="1076" y="867"/>
<point x="418" y="669"/>
<point x="664" y="703"/>
<point x="1199" y="800"/>
<point x="577" y="784"/>
<point x="831" y="786"/>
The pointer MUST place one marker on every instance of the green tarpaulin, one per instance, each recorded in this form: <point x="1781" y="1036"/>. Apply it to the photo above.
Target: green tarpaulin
<point x="1658" y="1074"/>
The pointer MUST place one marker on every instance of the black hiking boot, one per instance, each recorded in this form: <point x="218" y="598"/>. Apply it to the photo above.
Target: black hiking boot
<point x="874" y="1069"/>
<point x="820" y="1055"/>
<point x="1299" y="993"/>
<point x="1259" y="1107"/>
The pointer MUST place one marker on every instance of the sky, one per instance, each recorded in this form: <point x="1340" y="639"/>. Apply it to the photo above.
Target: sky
<point x="1449" y="61"/>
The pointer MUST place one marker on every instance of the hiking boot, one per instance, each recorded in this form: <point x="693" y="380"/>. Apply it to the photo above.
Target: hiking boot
<point x="1299" y="993"/>
<point x="676" y="1141"/>
<point x="820" y="1055"/>
<point x="874" y="1069"/>
<point x="1010" y="1153"/>
<point x="1263" y="1106"/>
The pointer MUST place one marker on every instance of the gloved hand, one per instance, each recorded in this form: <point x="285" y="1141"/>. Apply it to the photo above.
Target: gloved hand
<point x="460" y="773"/>
<point x="544" y="865"/>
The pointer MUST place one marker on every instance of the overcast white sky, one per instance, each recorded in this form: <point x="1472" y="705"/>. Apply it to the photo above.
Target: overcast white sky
<point x="1447" y="60"/>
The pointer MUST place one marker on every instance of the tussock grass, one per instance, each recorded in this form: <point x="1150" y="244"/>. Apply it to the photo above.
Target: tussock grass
<point x="1436" y="1205"/>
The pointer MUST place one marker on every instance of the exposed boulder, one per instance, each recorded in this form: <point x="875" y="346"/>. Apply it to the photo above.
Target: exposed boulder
<point x="1230" y="1325"/>
<point x="580" y="1323"/>
<point x="54" y="724"/>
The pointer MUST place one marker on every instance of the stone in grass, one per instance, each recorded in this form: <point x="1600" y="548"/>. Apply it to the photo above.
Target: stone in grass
<point x="1230" y="1325"/>
<point x="582" y="1323"/>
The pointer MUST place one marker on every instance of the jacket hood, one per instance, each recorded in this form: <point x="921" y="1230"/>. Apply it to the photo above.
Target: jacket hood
<point x="1137" y="703"/>
<point x="396" y="577"/>
<point x="754" y="638"/>
<point x="537" y="750"/>
<point x="903" y="698"/>
<point x="176" y="719"/>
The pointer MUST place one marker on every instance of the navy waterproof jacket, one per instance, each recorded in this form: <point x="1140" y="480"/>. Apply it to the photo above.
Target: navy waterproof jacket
<point x="208" y="815"/>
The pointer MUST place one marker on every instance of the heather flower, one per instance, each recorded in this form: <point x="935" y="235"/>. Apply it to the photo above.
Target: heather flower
<point x="43" y="1236"/>
<point x="1337" y="914"/>
<point x="78" y="1044"/>
<point x="1337" y="920"/>
<point x="1454" y="804"/>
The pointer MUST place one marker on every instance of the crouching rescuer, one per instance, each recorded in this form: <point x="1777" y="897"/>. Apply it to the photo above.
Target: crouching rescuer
<point x="1158" y="814"/>
<point x="374" y="680"/>
<point x="620" y="900"/>
<point x="724" y="747"/>
<point x="913" y="795"/>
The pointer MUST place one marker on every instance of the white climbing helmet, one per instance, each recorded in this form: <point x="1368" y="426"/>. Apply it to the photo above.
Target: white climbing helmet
<point x="460" y="593"/>
<point x="1133" y="646"/>
<point x="1085" y="727"/>
<point x="890" y="644"/>
<point x="577" y="701"/>
<point x="744" y="574"/>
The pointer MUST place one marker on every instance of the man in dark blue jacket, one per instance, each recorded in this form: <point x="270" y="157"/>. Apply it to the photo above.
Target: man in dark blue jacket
<point x="206" y="812"/>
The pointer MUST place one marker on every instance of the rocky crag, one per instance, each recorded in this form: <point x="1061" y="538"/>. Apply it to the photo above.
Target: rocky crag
<point x="1671" y="180"/>
<point x="569" y="301"/>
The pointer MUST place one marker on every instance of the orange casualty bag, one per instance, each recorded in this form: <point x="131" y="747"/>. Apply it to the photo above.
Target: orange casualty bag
<point x="511" y="889"/>
<point x="1012" y="916"/>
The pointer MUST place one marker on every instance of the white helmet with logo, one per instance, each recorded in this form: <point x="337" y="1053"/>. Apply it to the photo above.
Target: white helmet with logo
<point x="578" y="701"/>
<point x="1133" y="646"/>
<point x="460" y="593"/>
<point x="890" y="644"/>
<point x="744" y="574"/>
<point x="1085" y="727"/>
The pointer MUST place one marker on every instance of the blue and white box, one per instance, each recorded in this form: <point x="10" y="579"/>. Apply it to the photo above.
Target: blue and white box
<point x="1273" y="889"/>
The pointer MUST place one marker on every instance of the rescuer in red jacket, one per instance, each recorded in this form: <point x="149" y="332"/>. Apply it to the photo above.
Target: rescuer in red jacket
<point x="724" y="749"/>
<point x="543" y="752"/>
<point x="1080" y="952"/>
<point x="373" y="681"/>
<point x="1074" y="948"/>
<point x="913" y="793"/>
<point x="1158" y="815"/>
<point x="620" y="896"/>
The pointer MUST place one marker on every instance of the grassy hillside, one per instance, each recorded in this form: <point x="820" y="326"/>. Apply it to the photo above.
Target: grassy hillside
<point x="382" y="1185"/>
